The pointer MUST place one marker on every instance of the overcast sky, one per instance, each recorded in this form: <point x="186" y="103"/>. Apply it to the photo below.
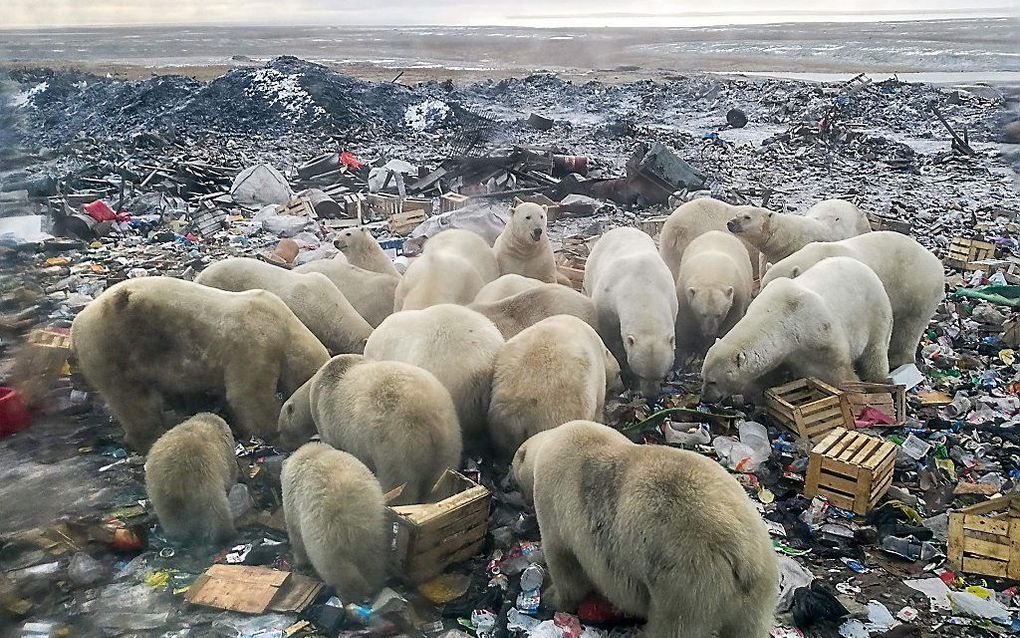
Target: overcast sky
<point x="54" y="13"/>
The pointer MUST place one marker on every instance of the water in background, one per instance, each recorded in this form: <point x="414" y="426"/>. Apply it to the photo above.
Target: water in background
<point x="953" y="45"/>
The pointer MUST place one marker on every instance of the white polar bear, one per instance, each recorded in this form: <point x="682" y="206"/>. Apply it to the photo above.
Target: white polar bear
<point x="779" y="235"/>
<point x="453" y="267"/>
<point x="832" y="322"/>
<point x="457" y="345"/>
<point x="396" y="418"/>
<point x="361" y="249"/>
<point x="913" y="278"/>
<point x="506" y="286"/>
<point x="336" y="519"/>
<point x="692" y="219"/>
<point x="523" y="247"/>
<point x="371" y="293"/>
<point x="517" y="312"/>
<point x="635" y="302"/>
<point x="713" y="289"/>
<point x="663" y="534"/>
<point x="557" y="370"/>
<point x="311" y="297"/>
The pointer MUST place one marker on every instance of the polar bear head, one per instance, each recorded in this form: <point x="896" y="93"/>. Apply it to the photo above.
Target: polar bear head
<point x="751" y="222"/>
<point x="650" y="356"/>
<point x="528" y="222"/>
<point x="710" y="306"/>
<point x="352" y="238"/>
<point x="723" y="372"/>
<point x="296" y="425"/>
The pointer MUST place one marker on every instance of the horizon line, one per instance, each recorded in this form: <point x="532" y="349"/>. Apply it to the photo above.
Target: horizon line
<point x="911" y="15"/>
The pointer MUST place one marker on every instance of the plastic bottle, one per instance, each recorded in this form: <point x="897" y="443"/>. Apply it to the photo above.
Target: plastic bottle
<point x="755" y="436"/>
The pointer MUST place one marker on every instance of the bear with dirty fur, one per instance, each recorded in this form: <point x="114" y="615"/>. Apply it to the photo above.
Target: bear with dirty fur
<point x="523" y="247"/>
<point x="832" y="322"/>
<point x="691" y="220"/>
<point x="779" y="235"/>
<point x="557" y="370"/>
<point x="713" y="289"/>
<point x="148" y="340"/>
<point x="635" y="303"/>
<point x="457" y="345"/>
<point x="361" y="249"/>
<point x="188" y="473"/>
<point x="453" y="267"/>
<point x="396" y="418"/>
<point x="371" y="293"/>
<point x="912" y="276"/>
<point x="505" y="286"/>
<point x="336" y="519"/>
<point x="704" y="566"/>
<point x="311" y="296"/>
<point x="515" y="313"/>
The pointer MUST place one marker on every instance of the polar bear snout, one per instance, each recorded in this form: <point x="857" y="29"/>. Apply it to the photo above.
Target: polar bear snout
<point x="536" y="234"/>
<point x="733" y="225"/>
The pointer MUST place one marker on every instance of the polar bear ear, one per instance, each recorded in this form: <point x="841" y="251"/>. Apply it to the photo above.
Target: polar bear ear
<point x="794" y="271"/>
<point x="741" y="359"/>
<point x="690" y="293"/>
<point x="631" y="340"/>
<point x="729" y="292"/>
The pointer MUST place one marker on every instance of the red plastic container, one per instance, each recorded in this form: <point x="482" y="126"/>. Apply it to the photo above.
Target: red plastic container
<point x="14" y="416"/>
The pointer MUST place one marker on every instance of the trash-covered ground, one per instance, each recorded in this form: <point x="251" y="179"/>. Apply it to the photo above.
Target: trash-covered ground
<point x="104" y="180"/>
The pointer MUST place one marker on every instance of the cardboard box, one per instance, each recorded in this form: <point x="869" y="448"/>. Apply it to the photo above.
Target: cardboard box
<point x="253" y="590"/>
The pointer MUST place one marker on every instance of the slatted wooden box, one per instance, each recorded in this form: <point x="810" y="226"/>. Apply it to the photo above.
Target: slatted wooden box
<point x="851" y="469"/>
<point x="885" y="397"/>
<point x="653" y="225"/>
<point x="809" y="407"/>
<point x="985" y="538"/>
<point x="963" y="251"/>
<point x="429" y="537"/>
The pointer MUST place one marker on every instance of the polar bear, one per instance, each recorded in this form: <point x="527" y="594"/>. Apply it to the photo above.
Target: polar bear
<point x="188" y="472"/>
<point x="371" y="293"/>
<point x="505" y="286"/>
<point x="557" y="370"/>
<point x="663" y="534"/>
<point x="713" y="289"/>
<point x="517" y="312"/>
<point x="523" y="247"/>
<point x="912" y="276"/>
<point x="832" y="322"/>
<point x="311" y="296"/>
<point x="456" y="344"/>
<point x="361" y="249"/>
<point x="454" y="266"/>
<point x="779" y="235"/>
<point x="336" y="519"/>
<point x="396" y="418"/>
<point x="635" y="302"/>
<point x="174" y="339"/>
<point x="692" y="219"/>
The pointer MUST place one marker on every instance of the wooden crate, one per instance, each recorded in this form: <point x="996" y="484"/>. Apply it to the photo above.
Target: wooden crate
<point x="403" y="223"/>
<point x="985" y="538"/>
<point x="571" y="267"/>
<point x="452" y="201"/>
<point x="40" y="362"/>
<point x="653" y="225"/>
<point x="809" y="407"/>
<point x="886" y="222"/>
<point x="963" y="251"/>
<point x="851" y="469"/>
<point x="450" y="528"/>
<point x="887" y="398"/>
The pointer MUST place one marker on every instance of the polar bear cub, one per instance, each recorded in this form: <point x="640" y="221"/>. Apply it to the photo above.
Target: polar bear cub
<point x="704" y="565"/>
<point x="188" y="472"/>
<point x="336" y="519"/>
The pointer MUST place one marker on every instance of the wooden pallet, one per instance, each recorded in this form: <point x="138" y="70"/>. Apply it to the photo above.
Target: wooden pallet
<point x="963" y="252"/>
<point x="809" y="407"/>
<point x="985" y="538"/>
<point x="885" y="397"/>
<point x="452" y="201"/>
<point x="653" y="225"/>
<point x="851" y="469"/>
<point x="429" y="537"/>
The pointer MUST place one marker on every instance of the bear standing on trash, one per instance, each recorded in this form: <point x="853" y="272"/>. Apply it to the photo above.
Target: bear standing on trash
<point x="663" y="534"/>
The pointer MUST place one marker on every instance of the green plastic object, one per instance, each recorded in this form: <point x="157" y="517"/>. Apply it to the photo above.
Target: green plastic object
<point x="998" y="295"/>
